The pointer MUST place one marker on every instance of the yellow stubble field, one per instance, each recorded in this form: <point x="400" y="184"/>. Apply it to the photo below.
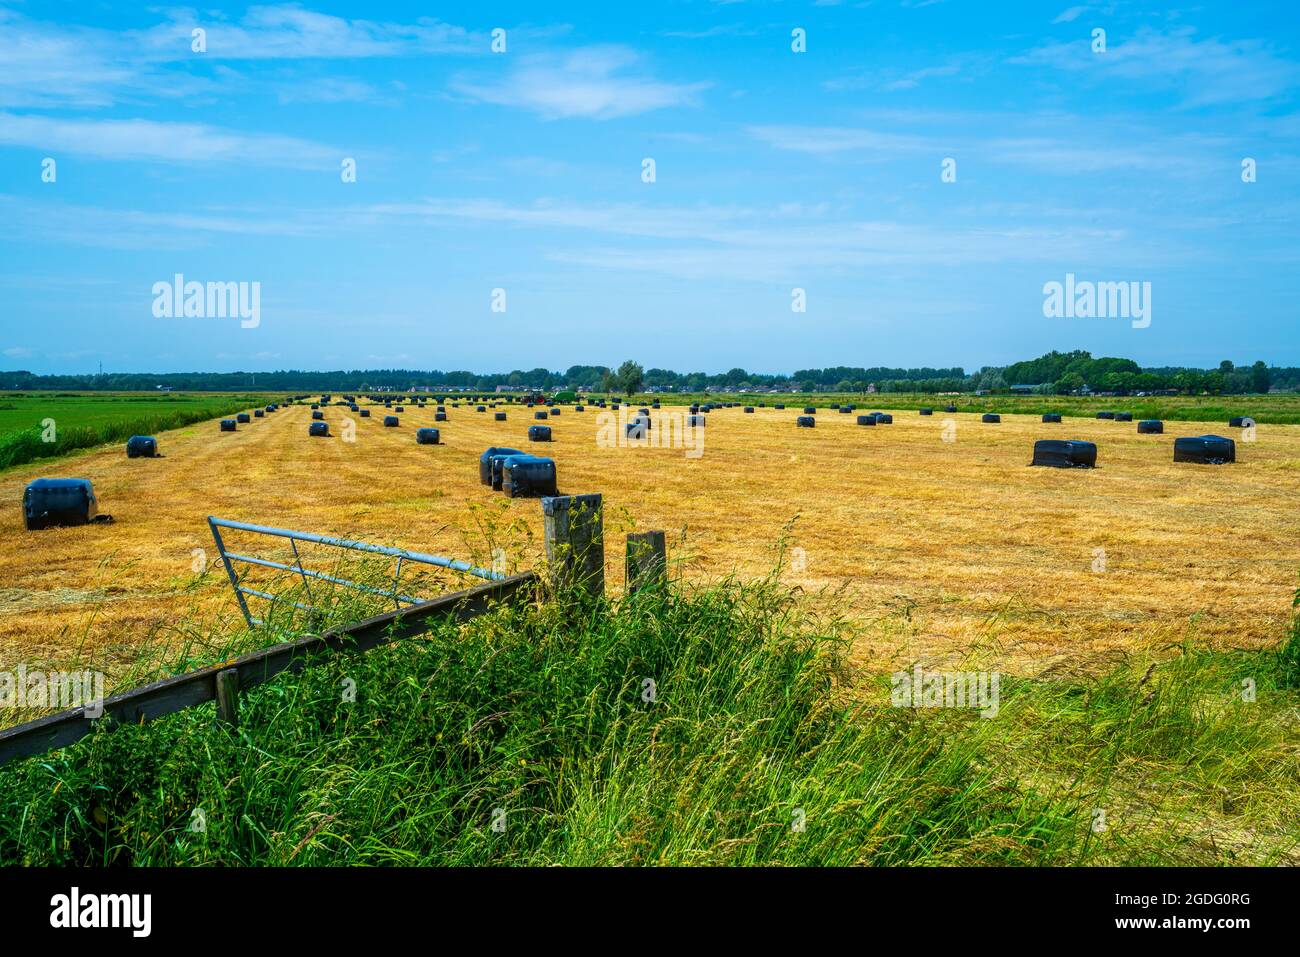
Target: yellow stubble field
<point x="929" y="546"/>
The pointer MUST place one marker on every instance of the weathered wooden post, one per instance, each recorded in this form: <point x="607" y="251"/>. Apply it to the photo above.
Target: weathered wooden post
<point x="228" y="696"/>
<point x="647" y="561"/>
<point x="575" y="541"/>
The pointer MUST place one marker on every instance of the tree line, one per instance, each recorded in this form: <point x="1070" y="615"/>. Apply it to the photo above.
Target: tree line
<point x="1055" y="372"/>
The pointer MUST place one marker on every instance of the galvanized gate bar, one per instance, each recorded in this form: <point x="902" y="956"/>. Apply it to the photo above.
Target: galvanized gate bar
<point x="228" y="559"/>
<point x="439" y="560"/>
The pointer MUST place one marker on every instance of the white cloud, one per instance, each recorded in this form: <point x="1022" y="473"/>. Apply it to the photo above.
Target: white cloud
<point x="1211" y="71"/>
<point x="910" y="80"/>
<point x="289" y="32"/>
<point x="161" y="142"/>
<point x="44" y="64"/>
<point x="599" y="82"/>
<point x="1069" y="15"/>
<point x="326" y="90"/>
<point x="837" y="139"/>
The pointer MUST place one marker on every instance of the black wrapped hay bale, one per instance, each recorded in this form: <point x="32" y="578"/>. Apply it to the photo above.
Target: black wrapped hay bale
<point x="271" y="408"/>
<point x="390" y="421"/>
<point x="748" y="410"/>
<point x="539" y="433"/>
<point x="1123" y="416"/>
<point x="806" y="422"/>
<point x="400" y="409"/>
<point x="499" y="416"/>
<point x="365" y="413"/>
<point x="693" y="409"/>
<point x="320" y="429"/>
<point x="141" y="446"/>
<point x="540" y="414"/>
<point x="528" y="475"/>
<point x="924" y="411"/>
<point x="440" y="416"/>
<point x="555" y="411"/>
<point x="1105" y="415"/>
<point x="480" y="408"/>
<point x="1051" y="417"/>
<point x="485" y="462"/>
<point x="1205" y="450"/>
<point x="57" y="502"/>
<point x="695" y="421"/>
<point x="315" y="405"/>
<point x="884" y="418"/>
<point x="318" y="415"/>
<point x="866" y="420"/>
<point x="243" y="418"/>
<point x="778" y="406"/>
<point x="1151" y="427"/>
<point x="579" y="408"/>
<point x="227" y="425"/>
<point x="1062" y="454"/>
<point x="1241" y="422"/>
<point x="426" y="436"/>
<point x="950" y="408"/>
<point x="991" y="417"/>
<point x="809" y="410"/>
<point x="259" y="414"/>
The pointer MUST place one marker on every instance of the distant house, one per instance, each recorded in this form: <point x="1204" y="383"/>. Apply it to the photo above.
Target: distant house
<point x="1023" y="389"/>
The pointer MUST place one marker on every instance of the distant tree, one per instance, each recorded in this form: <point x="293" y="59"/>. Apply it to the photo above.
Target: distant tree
<point x="1226" y="367"/>
<point x="630" y="376"/>
<point x="1260" y="379"/>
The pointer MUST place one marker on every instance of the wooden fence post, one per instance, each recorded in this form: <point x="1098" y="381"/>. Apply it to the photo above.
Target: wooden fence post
<point x="575" y="541"/>
<point x="228" y="696"/>
<point x="647" y="561"/>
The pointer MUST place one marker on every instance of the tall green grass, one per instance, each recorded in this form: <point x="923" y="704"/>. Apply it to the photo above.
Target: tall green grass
<point x="683" y="728"/>
<point x="21" y="446"/>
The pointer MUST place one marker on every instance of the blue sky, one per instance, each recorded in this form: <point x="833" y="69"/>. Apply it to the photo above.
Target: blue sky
<point x="522" y="171"/>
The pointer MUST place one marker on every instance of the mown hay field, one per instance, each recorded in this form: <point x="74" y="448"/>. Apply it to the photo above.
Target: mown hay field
<point x="931" y="534"/>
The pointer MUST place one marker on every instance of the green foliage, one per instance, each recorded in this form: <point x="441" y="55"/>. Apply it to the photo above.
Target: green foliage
<point x="629" y="377"/>
<point x="81" y="422"/>
<point x="545" y="713"/>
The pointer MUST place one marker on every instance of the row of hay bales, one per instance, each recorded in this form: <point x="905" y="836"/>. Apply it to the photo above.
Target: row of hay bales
<point x="51" y="502"/>
<point x="1077" y="453"/>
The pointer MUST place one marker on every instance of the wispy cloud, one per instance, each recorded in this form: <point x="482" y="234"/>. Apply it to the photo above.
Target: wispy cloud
<point x="162" y="142"/>
<point x="838" y="139"/>
<point x="287" y="32"/>
<point x="327" y="90"/>
<point x="44" y="64"/>
<point x="598" y="82"/>
<point x="1069" y="14"/>
<point x="1209" y="71"/>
